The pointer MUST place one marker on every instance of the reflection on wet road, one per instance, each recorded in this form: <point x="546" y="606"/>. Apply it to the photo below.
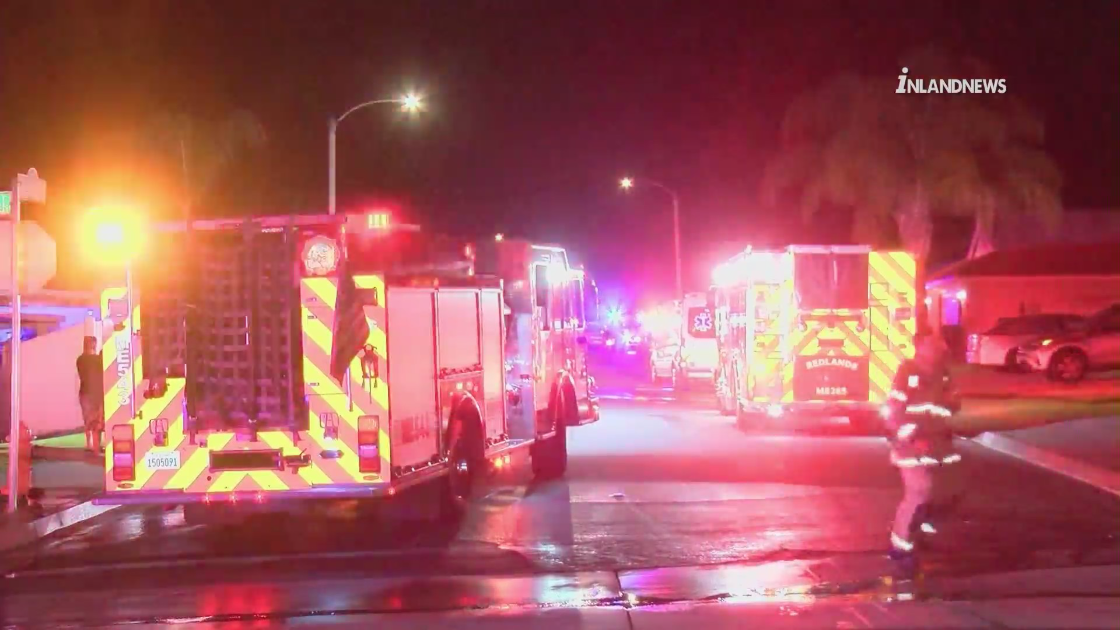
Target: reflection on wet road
<point x="653" y="484"/>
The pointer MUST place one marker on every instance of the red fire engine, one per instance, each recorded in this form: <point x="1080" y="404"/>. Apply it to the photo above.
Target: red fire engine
<point x="546" y="345"/>
<point x="326" y="357"/>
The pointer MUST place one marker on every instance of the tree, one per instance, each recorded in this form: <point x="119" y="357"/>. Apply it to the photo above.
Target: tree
<point x="899" y="160"/>
<point x="203" y="150"/>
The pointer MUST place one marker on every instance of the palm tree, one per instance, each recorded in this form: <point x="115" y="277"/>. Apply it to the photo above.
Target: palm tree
<point x="901" y="159"/>
<point x="204" y="150"/>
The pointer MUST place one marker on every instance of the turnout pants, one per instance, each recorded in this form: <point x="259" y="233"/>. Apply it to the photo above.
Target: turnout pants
<point x="928" y="493"/>
<point x="917" y="493"/>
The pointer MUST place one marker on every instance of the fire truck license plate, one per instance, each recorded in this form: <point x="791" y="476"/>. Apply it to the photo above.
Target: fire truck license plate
<point x="162" y="461"/>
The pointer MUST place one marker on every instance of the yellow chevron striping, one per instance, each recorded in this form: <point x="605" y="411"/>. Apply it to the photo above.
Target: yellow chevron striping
<point x="280" y="440"/>
<point x="197" y="463"/>
<point x="349" y="459"/>
<point x="267" y="480"/>
<point x="227" y="481"/>
<point x="326" y="291"/>
<point x="315" y="331"/>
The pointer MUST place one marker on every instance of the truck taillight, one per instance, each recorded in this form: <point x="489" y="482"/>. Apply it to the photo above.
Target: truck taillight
<point x="124" y="453"/>
<point x="369" y="460"/>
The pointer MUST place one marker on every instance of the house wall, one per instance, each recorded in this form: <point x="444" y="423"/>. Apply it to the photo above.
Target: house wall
<point x="988" y="299"/>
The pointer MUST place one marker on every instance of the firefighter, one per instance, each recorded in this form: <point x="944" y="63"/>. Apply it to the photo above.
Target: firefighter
<point x="921" y="401"/>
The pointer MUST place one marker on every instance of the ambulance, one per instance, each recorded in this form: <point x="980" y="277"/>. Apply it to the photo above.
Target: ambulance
<point x="698" y="355"/>
<point x="812" y="333"/>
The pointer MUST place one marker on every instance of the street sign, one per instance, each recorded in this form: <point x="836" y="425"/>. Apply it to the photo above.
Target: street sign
<point x="37" y="257"/>
<point x="5" y="202"/>
<point x="31" y="188"/>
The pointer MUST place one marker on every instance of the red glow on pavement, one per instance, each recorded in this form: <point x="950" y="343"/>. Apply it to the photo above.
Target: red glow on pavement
<point x="238" y="599"/>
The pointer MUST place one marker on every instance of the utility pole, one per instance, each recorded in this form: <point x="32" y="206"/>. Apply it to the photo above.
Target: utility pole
<point x="24" y="188"/>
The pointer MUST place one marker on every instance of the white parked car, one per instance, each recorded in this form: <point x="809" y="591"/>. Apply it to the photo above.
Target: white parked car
<point x="1068" y="357"/>
<point x="999" y="346"/>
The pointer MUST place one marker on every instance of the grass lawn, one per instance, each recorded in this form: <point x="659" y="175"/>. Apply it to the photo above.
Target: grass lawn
<point x="73" y="440"/>
<point x="1000" y="401"/>
<point x="985" y="414"/>
<point x="984" y="382"/>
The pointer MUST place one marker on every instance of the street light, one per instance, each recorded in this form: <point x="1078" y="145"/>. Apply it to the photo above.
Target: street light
<point x="627" y="183"/>
<point x="410" y="103"/>
<point x="119" y="235"/>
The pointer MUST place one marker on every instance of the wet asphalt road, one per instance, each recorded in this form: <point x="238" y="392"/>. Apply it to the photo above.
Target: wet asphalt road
<point x="662" y="480"/>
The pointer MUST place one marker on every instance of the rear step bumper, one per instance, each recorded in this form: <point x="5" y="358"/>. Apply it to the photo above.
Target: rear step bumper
<point x="324" y="492"/>
<point x="818" y="409"/>
<point x="173" y="497"/>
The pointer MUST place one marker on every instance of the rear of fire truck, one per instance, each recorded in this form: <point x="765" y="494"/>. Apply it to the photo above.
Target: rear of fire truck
<point x="814" y="332"/>
<point x="252" y="361"/>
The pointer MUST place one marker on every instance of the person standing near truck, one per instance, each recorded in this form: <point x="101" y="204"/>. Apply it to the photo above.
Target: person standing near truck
<point x="91" y="393"/>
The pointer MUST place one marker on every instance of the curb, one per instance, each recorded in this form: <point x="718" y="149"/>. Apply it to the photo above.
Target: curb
<point x="14" y="535"/>
<point x="1099" y="478"/>
<point x="1064" y="399"/>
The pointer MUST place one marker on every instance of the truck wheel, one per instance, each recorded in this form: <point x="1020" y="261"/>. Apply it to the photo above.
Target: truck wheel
<point x="867" y="424"/>
<point x="196" y="514"/>
<point x="751" y="420"/>
<point x="550" y="457"/>
<point x="1011" y="361"/>
<point x="742" y="419"/>
<point x="465" y="461"/>
<point x="680" y="381"/>
<point x="1068" y="366"/>
<point x="724" y="391"/>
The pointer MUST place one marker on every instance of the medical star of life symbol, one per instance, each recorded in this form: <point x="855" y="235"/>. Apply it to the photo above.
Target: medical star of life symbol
<point x="702" y="322"/>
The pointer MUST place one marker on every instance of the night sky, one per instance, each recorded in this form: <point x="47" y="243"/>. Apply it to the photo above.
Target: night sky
<point x="535" y="108"/>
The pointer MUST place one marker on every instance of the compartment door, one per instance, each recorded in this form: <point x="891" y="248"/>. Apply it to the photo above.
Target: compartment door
<point x="414" y="420"/>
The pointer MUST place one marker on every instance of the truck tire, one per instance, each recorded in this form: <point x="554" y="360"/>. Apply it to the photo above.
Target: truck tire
<point x="1068" y="366"/>
<point x="680" y="381"/>
<point x="751" y="420"/>
<point x="196" y="514"/>
<point x="465" y="462"/>
<point x="550" y="457"/>
<point x="724" y="384"/>
<point x="867" y="424"/>
<point x="1011" y="362"/>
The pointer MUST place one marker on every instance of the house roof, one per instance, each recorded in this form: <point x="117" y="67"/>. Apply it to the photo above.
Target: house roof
<point x="1100" y="259"/>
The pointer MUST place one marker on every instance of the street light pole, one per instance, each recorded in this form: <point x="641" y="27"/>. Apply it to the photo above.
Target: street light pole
<point x="332" y="139"/>
<point x="13" y="360"/>
<point x="677" y="241"/>
<point x="628" y="183"/>
<point x="408" y="103"/>
<point x="31" y="188"/>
